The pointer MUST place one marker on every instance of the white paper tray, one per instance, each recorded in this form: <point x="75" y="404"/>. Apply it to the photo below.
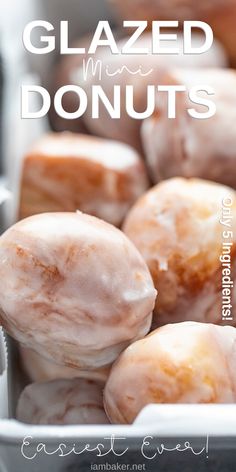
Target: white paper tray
<point x="209" y="431"/>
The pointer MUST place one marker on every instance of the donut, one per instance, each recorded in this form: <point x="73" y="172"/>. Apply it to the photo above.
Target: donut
<point x="219" y="14"/>
<point x="189" y="147"/>
<point x="180" y="228"/>
<point x="62" y="402"/>
<point x="74" y="289"/>
<point x="69" y="172"/>
<point x="178" y="363"/>
<point x="39" y="369"/>
<point x="139" y="71"/>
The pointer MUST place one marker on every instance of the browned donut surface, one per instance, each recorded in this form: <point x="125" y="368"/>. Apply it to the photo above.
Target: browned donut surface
<point x="69" y="172"/>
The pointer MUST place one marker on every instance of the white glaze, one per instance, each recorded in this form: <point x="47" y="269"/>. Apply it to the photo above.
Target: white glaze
<point x="181" y="363"/>
<point x="62" y="402"/>
<point x="73" y="288"/>
<point x="191" y="147"/>
<point x="176" y="227"/>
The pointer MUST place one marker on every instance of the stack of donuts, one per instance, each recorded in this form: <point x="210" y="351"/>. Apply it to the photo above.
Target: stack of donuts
<point x="112" y="277"/>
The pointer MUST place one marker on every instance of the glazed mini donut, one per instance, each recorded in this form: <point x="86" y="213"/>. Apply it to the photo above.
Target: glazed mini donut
<point x="190" y="147"/>
<point x="66" y="172"/>
<point x="219" y="14"/>
<point x="180" y="363"/>
<point x="151" y="67"/>
<point x="74" y="289"/>
<point x="61" y="402"/>
<point x="39" y="369"/>
<point x="176" y="227"/>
